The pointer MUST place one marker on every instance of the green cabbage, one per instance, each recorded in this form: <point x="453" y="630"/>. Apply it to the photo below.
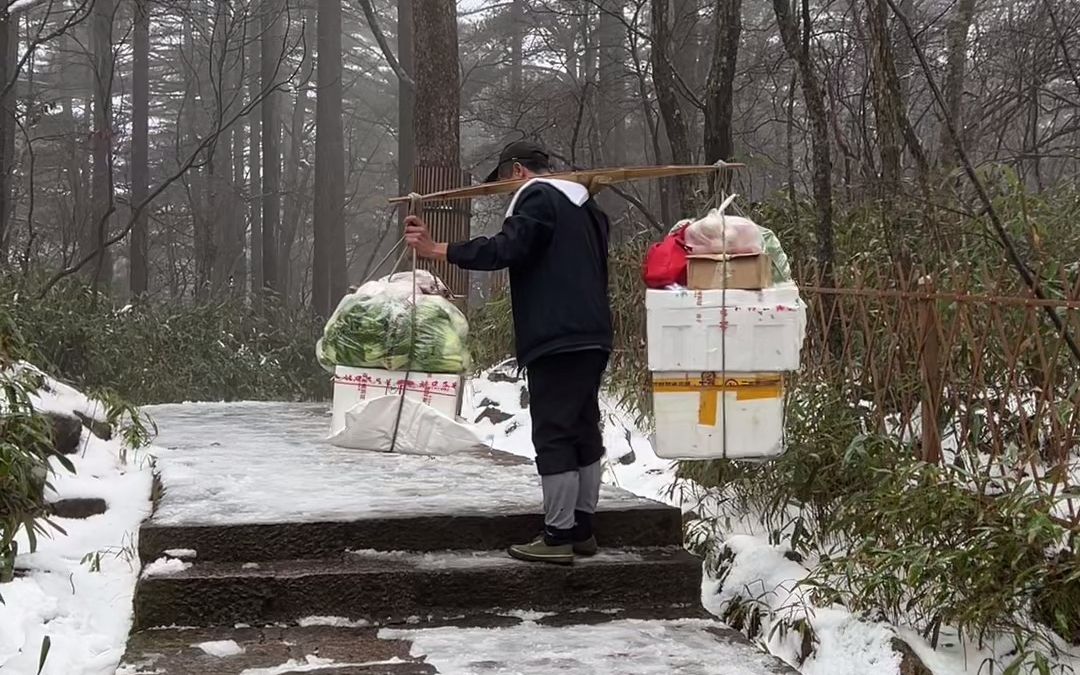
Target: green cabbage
<point x="374" y="328"/>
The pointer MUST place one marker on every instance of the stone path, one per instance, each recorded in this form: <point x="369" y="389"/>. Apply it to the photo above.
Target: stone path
<point x="264" y="463"/>
<point x="264" y="536"/>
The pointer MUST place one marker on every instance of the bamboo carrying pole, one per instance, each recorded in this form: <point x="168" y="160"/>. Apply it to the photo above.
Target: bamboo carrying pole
<point x="594" y="179"/>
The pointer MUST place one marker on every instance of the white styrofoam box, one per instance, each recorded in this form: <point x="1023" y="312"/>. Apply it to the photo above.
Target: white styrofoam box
<point x="734" y="331"/>
<point x="352" y="385"/>
<point x="704" y="416"/>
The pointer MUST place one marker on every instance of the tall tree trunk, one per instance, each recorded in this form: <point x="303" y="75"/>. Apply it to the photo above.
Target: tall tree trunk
<point x="139" y="279"/>
<point x="9" y="41"/>
<point x="719" y="91"/>
<point x="215" y="95"/>
<point x="100" y="267"/>
<point x="955" y="77"/>
<point x="406" y="98"/>
<point x="886" y="98"/>
<point x="652" y="124"/>
<point x="1033" y="163"/>
<point x="895" y="130"/>
<point x="329" y="271"/>
<point x="437" y="80"/>
<point x="904" y="52"/>
<point x="789" y="142"/>
<point x="191" y="125"/>
<point x="255" y="174"/>
<point x="668" y="99"/>
<point x="611" y="38"/>
<point x="294" y="197"/>
<point x="814" y="98"/>
<point x="273" y="53"/>
<point x="11" y="128"/>
<point x="684" y="47"/>
<point x="568" y="39"/>
<point x="438" y="104"/>
<point x="240" y="268"/>
<point x="76" y="172"/>
<point x="517" y="44"/>
<point x="590" y="53"/>
<point x="228" y="259"/>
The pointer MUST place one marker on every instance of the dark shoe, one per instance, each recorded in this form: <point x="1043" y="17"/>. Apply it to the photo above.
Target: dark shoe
<point x="586" y="548"/>
<point x="540" y="550"/>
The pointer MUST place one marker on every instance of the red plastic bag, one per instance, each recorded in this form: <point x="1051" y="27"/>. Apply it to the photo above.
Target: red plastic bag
<point x="665" y="263"/>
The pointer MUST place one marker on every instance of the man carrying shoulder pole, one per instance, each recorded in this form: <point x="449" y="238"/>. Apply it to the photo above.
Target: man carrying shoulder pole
<point x="554" y="241"/>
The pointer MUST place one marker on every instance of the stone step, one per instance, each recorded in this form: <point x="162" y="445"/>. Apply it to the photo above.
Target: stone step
<point x="535" y="643"/>
<point x="177" y="651"/>
<point x="630" y="524"/>
<point x="392" y="587"/>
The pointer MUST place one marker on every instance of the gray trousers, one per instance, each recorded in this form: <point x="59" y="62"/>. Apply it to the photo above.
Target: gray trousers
<point x="570" y="491"/>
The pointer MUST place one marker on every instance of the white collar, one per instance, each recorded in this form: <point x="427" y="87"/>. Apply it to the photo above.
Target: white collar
<point x="577" y="193"/>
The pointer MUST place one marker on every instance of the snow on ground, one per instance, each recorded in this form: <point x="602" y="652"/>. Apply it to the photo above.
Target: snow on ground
<point x="965" y="657"/>
<point x="314" y="663"/>
<point x="221" y="648"/>
<point x="335" y="621"/>
<point x="222" y="463"/>
<point x="762" y="574"/>
<point x="618" y="648"/>
<point x="847" y="645"/>
<point x="445" y="560"/>
<point x="83" y="607"/>
<point x="165" y="566"/>
<point x="63" y="399"/>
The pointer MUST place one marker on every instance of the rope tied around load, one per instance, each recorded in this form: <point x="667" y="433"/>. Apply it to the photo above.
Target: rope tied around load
<point x="416" y="207"/>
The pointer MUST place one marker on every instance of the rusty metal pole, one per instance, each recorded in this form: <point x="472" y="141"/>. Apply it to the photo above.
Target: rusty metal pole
<point x="931" y="374"/>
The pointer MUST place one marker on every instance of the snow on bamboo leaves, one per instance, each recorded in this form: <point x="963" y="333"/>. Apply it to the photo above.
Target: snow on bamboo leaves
<point x="374" y="327"/>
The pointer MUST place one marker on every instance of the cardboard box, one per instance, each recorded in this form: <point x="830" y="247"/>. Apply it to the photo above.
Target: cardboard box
<point x="705" y="415"/>
<point x="725" y="331"/>
<point x="751" y="272"/>
<point x="353" y="385"/>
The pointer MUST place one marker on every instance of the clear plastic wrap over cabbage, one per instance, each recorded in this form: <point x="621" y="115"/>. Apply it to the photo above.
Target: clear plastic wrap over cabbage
<point x="766" y="242"/>
<point x="373" y="328"/>
<point x="720" y="232"/>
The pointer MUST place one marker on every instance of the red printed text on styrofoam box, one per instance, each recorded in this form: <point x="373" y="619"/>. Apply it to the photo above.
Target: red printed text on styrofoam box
<point x="369" y="383"/>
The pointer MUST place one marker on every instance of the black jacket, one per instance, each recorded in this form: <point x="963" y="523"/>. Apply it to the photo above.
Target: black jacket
<point x="557" y="255"/>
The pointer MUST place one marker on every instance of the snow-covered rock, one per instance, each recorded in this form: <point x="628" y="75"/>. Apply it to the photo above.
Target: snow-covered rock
<point x="77" y="587"/>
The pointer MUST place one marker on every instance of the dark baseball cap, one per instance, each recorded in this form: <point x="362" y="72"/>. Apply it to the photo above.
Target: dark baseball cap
<point x="518" y="151"/>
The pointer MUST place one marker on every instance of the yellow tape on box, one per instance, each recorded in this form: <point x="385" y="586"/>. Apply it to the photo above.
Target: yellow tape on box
<point x="710" y="385"/>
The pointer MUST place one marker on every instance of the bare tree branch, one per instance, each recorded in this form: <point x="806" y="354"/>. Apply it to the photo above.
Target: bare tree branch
<point x="384" y="46"/>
